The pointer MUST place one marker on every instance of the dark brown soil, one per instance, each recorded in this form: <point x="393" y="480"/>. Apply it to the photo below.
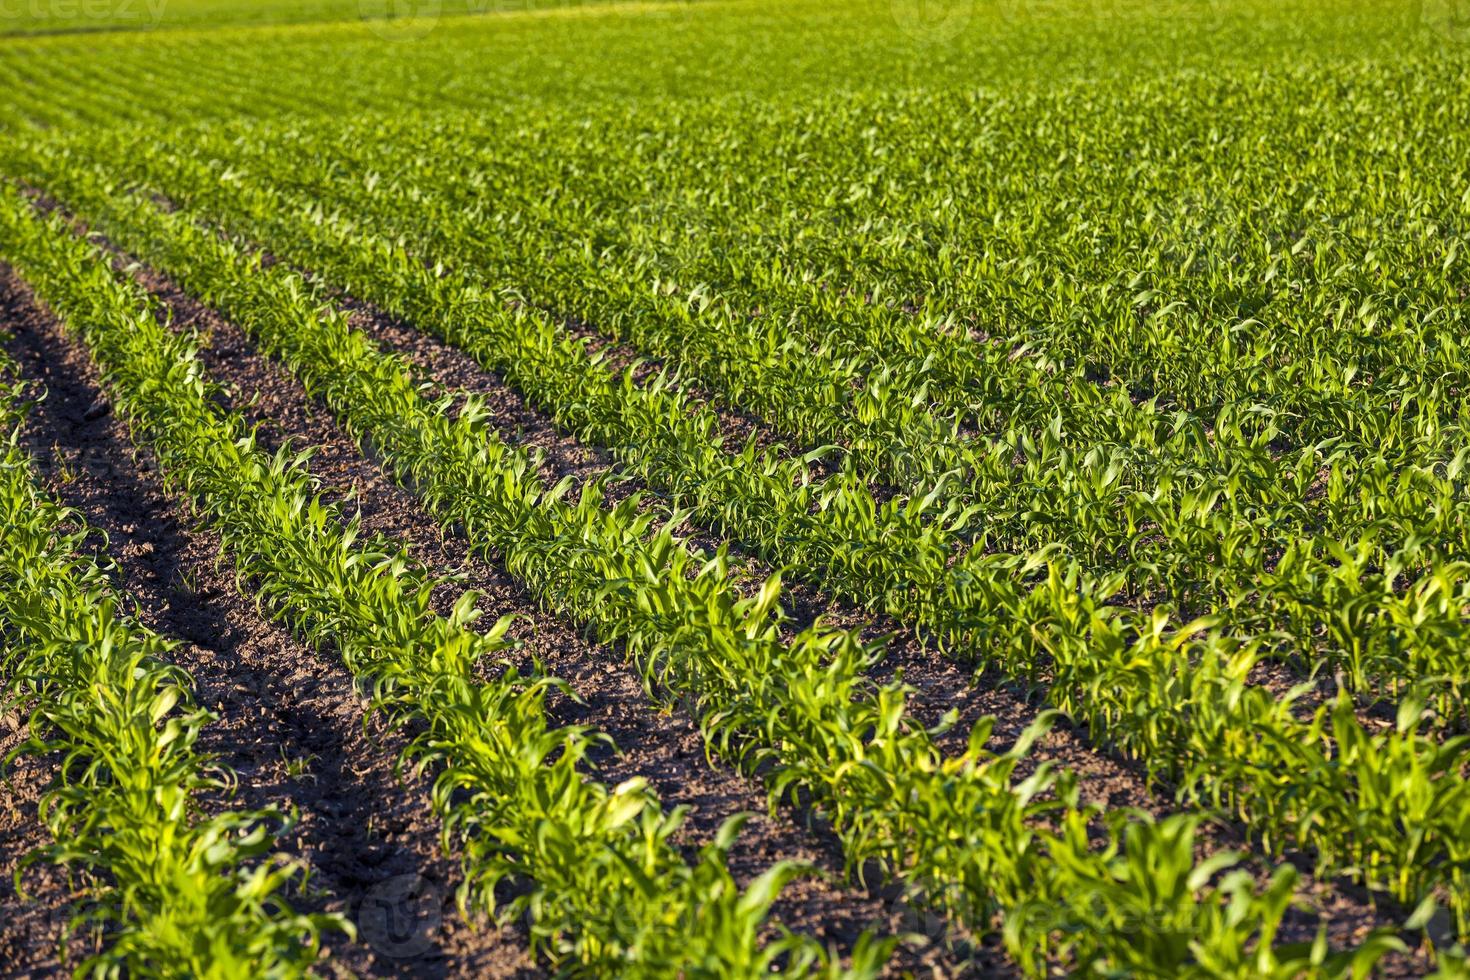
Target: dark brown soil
<point x="30" y="930"/>
<point x="940" y="685"/>
<point x="291" y="725"/>
<point x="451" y="370"/>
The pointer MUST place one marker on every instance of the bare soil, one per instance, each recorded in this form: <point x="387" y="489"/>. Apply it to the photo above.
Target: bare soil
<point x="32" y="926"/>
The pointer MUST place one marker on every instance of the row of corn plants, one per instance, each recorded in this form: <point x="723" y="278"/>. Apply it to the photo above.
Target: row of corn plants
<point x="602" y="886"/>
<point x="168" y="888"/>
<point x="452" y="202"/>
<point x="814" y="261"/>
<point x="436" y="216"/>
<point x="959" y="832"/>
<point x="1195" y="527"/>
<point x="1386" y="808"/>
<point x="175" y="74"/>
<point x="751" y="158"/>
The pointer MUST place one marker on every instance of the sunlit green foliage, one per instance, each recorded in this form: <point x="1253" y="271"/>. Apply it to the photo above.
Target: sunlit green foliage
<point x="1116" y="347"/>
<point x="961" y="833"/>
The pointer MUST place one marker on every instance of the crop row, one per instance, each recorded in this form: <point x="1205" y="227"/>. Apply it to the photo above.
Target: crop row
<point x="169" y="889"/>
<point x="1385" y="807"/>
<point x="800" y="711"/>
<point x="607" y="891"/>
<point x="610" y="272"/>
<point x="1278" y="545"/>
<point x="1109" y="264"/>
<point x="757" y="191"/>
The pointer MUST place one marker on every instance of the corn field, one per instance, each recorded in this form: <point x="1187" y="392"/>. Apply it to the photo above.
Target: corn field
<point x="729" y="488"/>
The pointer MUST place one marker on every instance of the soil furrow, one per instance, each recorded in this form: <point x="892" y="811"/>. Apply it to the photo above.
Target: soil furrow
<point x="940" y="686"/>
<point x="31" y="925"/>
